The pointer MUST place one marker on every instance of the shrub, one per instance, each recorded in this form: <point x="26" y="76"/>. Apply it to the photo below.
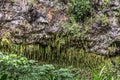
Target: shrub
<point x="82" y="9"/>
<point x="13" y="67"/>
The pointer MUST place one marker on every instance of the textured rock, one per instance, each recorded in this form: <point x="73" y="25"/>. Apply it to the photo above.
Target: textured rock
<point x="105" y="29"/>
<point x="36" y="23"/>
<point x="29" y="23"/>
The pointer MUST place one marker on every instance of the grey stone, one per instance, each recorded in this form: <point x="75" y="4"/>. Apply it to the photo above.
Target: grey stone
<point x="37" y="26"/>
<point x="42" y="20"/>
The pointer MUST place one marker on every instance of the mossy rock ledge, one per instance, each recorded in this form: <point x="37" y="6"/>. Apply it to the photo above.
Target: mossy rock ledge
<point x="38" y="22"/>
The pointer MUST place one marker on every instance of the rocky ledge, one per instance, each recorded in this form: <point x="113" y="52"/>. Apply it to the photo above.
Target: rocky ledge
<point x="37" y="23"/>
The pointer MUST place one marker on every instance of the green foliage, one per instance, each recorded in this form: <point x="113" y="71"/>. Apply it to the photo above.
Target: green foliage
<point x="118" y="14"/>
<point x="103" y="73"/>
<point x="106" y="73"/>
<point x="82" y="9"/>
<point x="73" y="29"/>
<point x="106" y="2"/>
<point x="13" y="0"/>
<point x="13" y="67"/>
<point x="104" y="20"/>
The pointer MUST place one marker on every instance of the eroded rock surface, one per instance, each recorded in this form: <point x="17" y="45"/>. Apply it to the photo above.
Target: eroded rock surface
<point x="36" y="23"/>
<point x="31" y="22"/>
<point x="105" y="28"/>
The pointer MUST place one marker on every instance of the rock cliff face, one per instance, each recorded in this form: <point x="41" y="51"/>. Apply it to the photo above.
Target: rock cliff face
<point x="30" y="22"/>
<point x="105" y="28"/>
<point x="37" y="23"/>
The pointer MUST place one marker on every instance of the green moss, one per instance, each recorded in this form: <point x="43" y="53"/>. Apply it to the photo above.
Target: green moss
<point x="106" y="2"/>
<point x="104" y="20"/>
<point x="118" y="12"/>
<point x="102" y="17"/>
<point x="13" y="0"/>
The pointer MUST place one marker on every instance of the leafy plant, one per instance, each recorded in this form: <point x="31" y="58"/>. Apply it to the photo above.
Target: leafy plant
<point x="104" y="74"/>
<point x="82" y="9"/>
<point x="20" y="68"/>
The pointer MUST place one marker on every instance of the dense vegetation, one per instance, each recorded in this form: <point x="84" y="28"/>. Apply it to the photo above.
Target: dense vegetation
<point x="65" y="57"/>
<point x="13" y="67"/>
<point x="82" y="9"/>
